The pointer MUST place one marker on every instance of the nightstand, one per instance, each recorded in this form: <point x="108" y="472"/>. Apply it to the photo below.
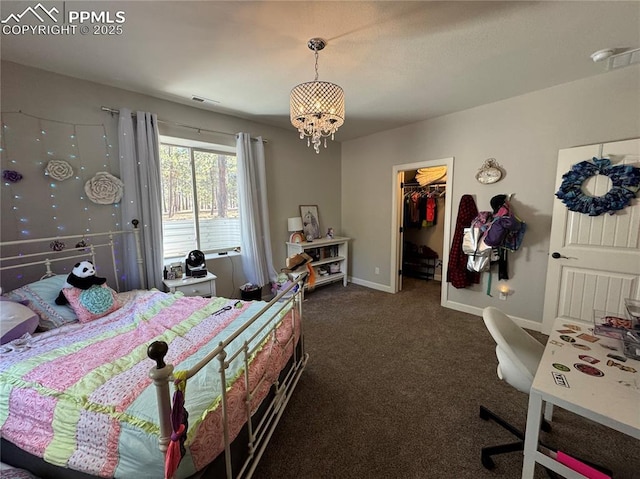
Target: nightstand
<point x="190" y="286"/>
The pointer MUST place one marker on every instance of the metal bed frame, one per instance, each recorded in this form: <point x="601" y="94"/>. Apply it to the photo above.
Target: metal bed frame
<point x="107" y="240"/>
<point x="258" y="429"/>
<point x="259" y="433"/>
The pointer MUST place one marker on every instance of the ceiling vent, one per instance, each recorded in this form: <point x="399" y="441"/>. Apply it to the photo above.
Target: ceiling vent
<point x="201" y="99"/>
<point x="623" y="59"/>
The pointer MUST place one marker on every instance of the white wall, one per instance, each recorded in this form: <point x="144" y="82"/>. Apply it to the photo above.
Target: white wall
<point x="295" y="174"/>
<point x="524" y="134"/>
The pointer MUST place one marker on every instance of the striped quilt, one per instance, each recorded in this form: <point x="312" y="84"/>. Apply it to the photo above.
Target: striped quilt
<point x="80" y="396"/>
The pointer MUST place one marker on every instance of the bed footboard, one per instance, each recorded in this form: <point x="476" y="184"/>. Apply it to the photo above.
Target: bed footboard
<point x="161" y="375"/>
<point x="258" y="429"/>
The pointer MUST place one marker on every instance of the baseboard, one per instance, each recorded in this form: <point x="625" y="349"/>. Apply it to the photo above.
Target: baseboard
<point x="372" y="285"/>
<point x="522" y="322"/>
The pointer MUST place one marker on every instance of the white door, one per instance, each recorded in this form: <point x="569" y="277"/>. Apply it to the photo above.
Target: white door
<point x="594" y="261"/>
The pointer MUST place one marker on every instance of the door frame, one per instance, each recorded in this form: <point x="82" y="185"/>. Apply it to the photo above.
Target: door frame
<point x="396" y="222"/>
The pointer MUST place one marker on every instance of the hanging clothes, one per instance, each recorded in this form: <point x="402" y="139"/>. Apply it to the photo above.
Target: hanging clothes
<point x="431" y="210"/>
<point x="458" y="274"/>
<point x="497" y="203"/>
<point x="414" y="209"/>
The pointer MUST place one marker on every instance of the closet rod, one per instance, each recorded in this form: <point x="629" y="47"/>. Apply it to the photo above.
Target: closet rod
<point x="182" y="125"/>
<point x="418" y="185"/>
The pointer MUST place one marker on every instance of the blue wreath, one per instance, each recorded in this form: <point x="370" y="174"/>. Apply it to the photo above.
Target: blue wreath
<point x="624" y="178"/>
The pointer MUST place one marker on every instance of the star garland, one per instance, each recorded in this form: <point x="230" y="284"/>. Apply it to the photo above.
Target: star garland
<point x="625" y="181"/>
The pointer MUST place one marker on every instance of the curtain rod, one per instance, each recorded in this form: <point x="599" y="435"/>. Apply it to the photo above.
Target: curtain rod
<point x="182" y="125"/>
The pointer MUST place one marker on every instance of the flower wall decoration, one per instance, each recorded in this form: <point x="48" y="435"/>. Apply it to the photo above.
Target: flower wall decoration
<point x="82" y="244"/>
<point x="57" y="245"/>
<point x="625" y="180"/>
<point x="59" y="170"/>
<point x="11" y="176"/>
<point x="104" y="188"/>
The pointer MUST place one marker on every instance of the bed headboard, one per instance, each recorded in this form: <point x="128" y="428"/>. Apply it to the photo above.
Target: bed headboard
<point x="25" y="261"/>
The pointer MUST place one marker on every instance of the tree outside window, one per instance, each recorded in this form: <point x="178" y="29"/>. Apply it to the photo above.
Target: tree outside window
<point x="199" y="200"/>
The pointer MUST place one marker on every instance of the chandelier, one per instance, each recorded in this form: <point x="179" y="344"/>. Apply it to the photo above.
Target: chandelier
<point x="317" y="107"/>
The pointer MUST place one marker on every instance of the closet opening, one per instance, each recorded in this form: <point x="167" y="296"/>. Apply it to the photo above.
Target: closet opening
<point x="422" y="222"/>
<point x="423" y="226"/>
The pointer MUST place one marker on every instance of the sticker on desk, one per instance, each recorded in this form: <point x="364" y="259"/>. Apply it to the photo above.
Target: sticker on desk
<point x="560" y="379"/>
<point x="583" y="347"/>
<point x="557" y="343"/>
<point x="572" y="327"/>
<point x="622" y="367"/>
<point x="588" y="337"/>
<point x="561" y="367"/>
<point x="588" y="359"/>
<point x="566" y="338"/>
<point x="617" y="357"/>
<point x="565" y="331"/>
<point x="588" y="369"/>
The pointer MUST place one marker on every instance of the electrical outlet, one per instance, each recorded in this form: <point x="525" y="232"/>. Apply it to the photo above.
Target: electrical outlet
<point x="503" y="296"/>
<point x="377" y="270"/>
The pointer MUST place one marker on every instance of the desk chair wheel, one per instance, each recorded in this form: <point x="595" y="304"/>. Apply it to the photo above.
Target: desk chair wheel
<point x="487" y="462"/>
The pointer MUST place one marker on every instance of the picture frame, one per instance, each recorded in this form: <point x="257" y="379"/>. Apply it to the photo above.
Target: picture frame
<point x="176" y="269"/>
<point x="310" y="222"/>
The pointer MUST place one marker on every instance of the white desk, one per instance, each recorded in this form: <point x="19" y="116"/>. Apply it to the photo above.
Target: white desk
<point x="612" y="399"/>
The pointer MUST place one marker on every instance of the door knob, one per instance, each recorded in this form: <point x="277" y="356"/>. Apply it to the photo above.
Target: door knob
<point x="556" y="255"/>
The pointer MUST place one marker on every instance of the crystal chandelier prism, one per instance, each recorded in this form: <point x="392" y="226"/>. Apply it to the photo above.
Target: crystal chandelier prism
<point x="317" y="107"/>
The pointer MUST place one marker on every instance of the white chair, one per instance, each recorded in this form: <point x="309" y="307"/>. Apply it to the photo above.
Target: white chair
<point x="518" y="354"/>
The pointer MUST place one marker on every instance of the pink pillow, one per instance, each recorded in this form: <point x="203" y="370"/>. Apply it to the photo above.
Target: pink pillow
<point x="92" y="303"/>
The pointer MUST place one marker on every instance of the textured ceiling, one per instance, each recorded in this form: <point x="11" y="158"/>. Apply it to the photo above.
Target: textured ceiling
<point x="398" y="62"/>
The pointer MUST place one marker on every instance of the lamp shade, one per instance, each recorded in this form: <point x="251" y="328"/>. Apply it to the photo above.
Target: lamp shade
<point x="294" y="224"/>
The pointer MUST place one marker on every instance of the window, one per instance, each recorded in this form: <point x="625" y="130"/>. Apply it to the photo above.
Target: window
<point x="199" y="197"/>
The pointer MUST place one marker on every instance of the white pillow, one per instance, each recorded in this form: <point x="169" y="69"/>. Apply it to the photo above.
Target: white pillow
<point x="16" y="320"/>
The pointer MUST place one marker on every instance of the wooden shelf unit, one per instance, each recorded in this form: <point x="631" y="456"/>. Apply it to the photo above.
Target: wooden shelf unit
<point x="326" y="253"/>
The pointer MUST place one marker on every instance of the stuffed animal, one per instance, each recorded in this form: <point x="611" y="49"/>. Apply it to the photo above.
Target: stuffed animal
<point x="83" y="276"/>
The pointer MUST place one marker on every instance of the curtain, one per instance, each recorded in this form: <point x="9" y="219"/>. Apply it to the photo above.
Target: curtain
<point x="257" y="261"/>
<point x="142" y="199"/>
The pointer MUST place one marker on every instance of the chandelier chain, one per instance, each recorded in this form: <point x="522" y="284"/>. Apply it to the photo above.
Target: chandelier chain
<point x="316" y="52"/>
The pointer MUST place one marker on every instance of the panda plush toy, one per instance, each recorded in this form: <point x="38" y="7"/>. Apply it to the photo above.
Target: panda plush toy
<point x="83" y="276"/>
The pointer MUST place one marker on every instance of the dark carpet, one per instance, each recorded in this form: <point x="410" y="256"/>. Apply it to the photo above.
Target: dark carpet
<point x="392" y="390"/>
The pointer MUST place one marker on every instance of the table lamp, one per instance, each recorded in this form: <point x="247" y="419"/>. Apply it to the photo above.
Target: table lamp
<point x="294" y="226"/>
